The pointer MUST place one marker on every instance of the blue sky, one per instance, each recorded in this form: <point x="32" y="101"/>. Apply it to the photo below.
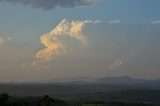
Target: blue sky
<point x="124" y="41"/>
<point x="25" y="17"/>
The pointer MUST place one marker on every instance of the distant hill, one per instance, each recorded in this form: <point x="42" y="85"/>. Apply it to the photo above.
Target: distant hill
<point x="106" y="88"/>
<point x="120" y="80"/>
<point x="70" y="80"/>
<point x="116" y="81"/>
<point x="128" y="81"/>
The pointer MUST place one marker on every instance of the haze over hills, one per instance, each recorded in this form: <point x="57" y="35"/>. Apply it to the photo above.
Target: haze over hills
<point x="96" y="79"/>
<point x="115" y="80"/>
<point x="83" y="84"/>
<point x="108" y="88"/>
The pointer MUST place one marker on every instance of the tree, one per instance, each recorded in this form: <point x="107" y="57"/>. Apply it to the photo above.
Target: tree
<point x="4" y="98"/>
<point x="46" y="101"/>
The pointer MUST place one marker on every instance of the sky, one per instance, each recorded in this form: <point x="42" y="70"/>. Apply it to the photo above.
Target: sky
<point x="54" y="39"/>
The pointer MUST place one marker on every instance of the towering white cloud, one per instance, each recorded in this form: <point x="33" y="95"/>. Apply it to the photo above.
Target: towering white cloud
<point x="52" y="40"/>
<point x="51" y="4"/>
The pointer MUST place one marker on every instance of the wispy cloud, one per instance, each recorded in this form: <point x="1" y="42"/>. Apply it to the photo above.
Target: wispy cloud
<point x="156" y="22"/>
<point x="115" y="65"/>
<point x="114" y="22"/>
<point x="4" y="40"/>
<point x="51" y="4"/>
<point x="52" y="40"/>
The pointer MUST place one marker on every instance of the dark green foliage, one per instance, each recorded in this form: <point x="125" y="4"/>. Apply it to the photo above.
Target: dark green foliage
<point x="6" y="100"/>
<point x="46" y="101"/>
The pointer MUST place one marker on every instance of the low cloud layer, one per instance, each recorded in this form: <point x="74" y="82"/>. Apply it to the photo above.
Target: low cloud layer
<point x="51" y="4"/>
<point x="52" y="42"/>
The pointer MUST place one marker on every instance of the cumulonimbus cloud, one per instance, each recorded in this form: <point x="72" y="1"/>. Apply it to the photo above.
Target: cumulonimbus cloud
<point x="51" y="4"/>
<point x="52" y="42"/>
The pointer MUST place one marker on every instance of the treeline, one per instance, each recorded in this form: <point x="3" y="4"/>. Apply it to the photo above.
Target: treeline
<point x="7" y="100"/>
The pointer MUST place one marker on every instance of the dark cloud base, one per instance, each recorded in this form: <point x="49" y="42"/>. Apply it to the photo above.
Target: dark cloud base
<point x="51" y="4"/>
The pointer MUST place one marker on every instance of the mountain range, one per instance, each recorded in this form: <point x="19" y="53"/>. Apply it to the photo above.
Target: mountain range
<point x="85" y="88"/>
